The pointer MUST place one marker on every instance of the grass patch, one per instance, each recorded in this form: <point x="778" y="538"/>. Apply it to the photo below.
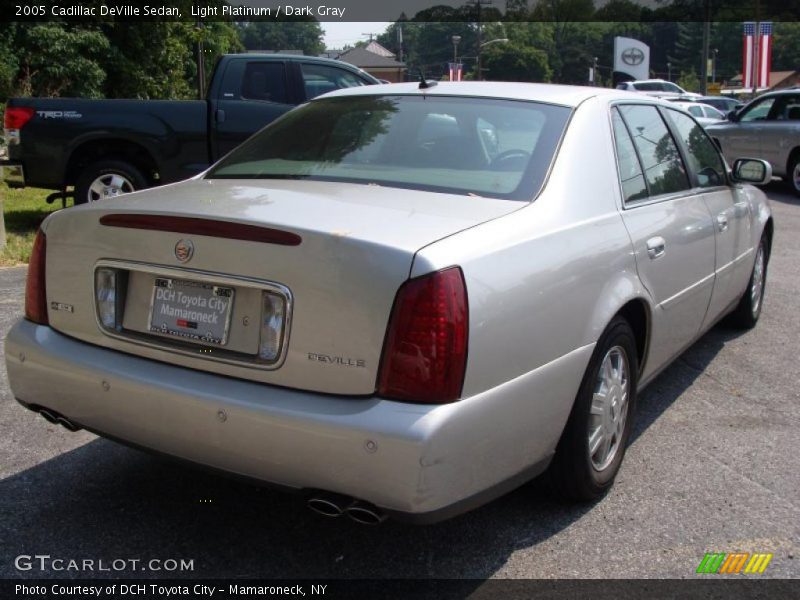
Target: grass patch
<point x="23" y="211"/>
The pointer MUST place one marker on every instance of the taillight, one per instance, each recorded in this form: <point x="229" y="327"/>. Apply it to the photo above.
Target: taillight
<point x="17" y="116"/>
<point x="35" y="293"/>
<point x="425" y="352"/>
<point x="15" y="119"/>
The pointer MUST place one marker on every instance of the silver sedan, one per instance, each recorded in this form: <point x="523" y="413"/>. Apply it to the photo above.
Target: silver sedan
<point x="767" y="127"/>
<point x="401" y="300"/>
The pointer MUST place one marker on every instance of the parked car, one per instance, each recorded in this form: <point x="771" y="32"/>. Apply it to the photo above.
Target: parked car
<point x="395" y="320"/>
<point x="768" y="127"/>
<point x="703" y="113"/>
<point x="657" y="88"/>
<point x="109" y="147"/>
<point x="722" y="103"/>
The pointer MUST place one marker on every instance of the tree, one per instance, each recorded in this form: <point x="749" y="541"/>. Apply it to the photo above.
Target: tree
<point x="574" y="38"/>
<point x="511" y="62"/>
<point x="55" y="61"/>
<point x="165" y="52"/>
<point x="283" y="35"/>
<point x="689" y="81"/>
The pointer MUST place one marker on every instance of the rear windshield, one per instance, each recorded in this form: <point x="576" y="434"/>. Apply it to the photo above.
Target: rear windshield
<point x="485" y="147"/>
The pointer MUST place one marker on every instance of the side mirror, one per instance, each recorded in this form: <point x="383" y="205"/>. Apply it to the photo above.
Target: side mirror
<point x="732" y="116"/>
<point x="752" y="170"/>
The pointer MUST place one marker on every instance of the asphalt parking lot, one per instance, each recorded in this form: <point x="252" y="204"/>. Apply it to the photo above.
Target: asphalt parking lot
<point x="713" y="467"/>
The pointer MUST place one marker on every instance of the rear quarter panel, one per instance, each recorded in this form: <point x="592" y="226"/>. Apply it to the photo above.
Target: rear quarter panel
<point x="545" y="281"/>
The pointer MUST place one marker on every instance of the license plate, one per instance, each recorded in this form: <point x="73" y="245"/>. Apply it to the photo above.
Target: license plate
<point x="199" y="312"/>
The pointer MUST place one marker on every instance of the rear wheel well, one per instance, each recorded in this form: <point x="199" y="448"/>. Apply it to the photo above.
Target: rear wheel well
<point x="113" y="149"/>
<point x="637" y="315"/>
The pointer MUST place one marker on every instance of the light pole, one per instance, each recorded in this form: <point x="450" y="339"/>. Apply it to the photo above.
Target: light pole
<point x="669" y="71"/>
<point x="495" y="41"/>
<point x="480" y="56"/>
<point x="456" y="39"/>
<point x="714" y="65"/>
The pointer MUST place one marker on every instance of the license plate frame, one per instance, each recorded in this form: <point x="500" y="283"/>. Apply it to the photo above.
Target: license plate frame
<point x="184" y="310"/>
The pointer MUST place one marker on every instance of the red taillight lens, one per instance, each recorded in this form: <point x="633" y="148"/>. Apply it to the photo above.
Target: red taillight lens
<point x="425" y="352"/>
<point x="17" y="116"/>
<point x="35" y="293"/>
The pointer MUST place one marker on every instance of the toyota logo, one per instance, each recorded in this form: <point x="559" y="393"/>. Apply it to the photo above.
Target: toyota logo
<point x="184" y="250"/>
<point x="632" y="56"/>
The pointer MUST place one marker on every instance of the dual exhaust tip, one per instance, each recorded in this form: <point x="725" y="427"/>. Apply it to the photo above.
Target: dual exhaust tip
<point x="53" y="417"/>
<point x="336" y="505"/>
<point x="324" y="503"/>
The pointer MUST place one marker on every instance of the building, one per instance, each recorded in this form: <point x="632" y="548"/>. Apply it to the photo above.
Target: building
<point x="375" y="60"/>
<point x="777" y="80"/>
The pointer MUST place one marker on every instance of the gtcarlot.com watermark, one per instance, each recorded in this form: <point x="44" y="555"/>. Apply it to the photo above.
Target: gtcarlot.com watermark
<point x="47" y="563"/>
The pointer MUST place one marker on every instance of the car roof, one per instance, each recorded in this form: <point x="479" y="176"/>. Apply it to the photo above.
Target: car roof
<point x="550" y="93"/>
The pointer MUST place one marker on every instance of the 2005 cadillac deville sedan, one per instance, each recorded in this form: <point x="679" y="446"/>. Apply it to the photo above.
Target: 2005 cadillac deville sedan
<point x="402" y="300"/>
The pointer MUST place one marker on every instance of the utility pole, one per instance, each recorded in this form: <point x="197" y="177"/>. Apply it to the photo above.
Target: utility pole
<point x="478" y="4"/>
<point x="201" y="67"/>
<point x="756" y="36"/>
<point x="706" y="38"/>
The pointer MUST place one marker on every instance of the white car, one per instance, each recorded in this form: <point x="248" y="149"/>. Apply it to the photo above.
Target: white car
<point x="703" y="113"/>
<point x="658" y="88"/>
<point x="401" y="300"/>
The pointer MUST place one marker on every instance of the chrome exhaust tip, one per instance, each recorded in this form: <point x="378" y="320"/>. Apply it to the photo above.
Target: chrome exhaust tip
<point x="67" y="424"/>
<point x="328" y="505"/>
<point x="49" y="416"/>
<point x="56" y="419"/>
<point x="365" y="513"/>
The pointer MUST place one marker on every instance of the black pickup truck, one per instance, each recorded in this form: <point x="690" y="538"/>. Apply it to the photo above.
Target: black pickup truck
<point x="108" y="147"/>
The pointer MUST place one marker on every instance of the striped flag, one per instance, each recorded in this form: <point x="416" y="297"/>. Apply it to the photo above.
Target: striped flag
<point x="764" y="53"/>
<point x="747" y="54"/>
<point x="455" y="71"/>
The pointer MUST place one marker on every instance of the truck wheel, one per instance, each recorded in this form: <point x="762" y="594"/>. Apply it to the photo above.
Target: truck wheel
<point x="107" y="179"/>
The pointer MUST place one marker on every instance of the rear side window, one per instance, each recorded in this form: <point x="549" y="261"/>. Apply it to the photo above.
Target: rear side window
<point x="265" y="81"/>
<point x="661" y="161"/>
<point x="630" y="171"/>
<point x="704" y="160"/>
<point x="320" y="79"/>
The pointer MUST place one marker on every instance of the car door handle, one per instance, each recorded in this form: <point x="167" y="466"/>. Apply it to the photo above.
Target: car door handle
<point x="656" y="247"/>
<point x="722" y="222"/>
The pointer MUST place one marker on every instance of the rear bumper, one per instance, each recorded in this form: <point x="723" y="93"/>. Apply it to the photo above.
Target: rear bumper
<point x="421" y="462"/>
<point x="12" y="172"/>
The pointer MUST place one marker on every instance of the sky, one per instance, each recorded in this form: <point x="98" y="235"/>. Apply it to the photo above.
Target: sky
<point x="337" y="34"/>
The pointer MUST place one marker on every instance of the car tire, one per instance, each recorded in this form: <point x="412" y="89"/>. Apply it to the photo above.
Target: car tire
<point x="107" y="179"/>
<point x="583" y="468"/>
<point x="793" y="174"/>
<point x="747" y="312"/>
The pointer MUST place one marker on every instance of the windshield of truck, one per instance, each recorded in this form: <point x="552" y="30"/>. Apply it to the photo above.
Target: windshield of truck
<point x="486" y="147"/>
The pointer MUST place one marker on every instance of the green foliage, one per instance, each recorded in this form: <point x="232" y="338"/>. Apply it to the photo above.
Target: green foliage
<point x="283" y="35"/>
<point x="56" y="61"/>
<point x="689" y="81"/>
<point x="511" y="62"/>
<point x="165" y="48"/>
<point x="23" y="212"/>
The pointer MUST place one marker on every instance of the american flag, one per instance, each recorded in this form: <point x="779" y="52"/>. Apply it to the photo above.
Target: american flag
<point x="747" y="54"/>
<point x="764" y="53"/>
<point x="455" y="71"/>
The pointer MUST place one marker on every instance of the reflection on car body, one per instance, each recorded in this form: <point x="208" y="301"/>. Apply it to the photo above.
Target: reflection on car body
<point x="438" y="293"/>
